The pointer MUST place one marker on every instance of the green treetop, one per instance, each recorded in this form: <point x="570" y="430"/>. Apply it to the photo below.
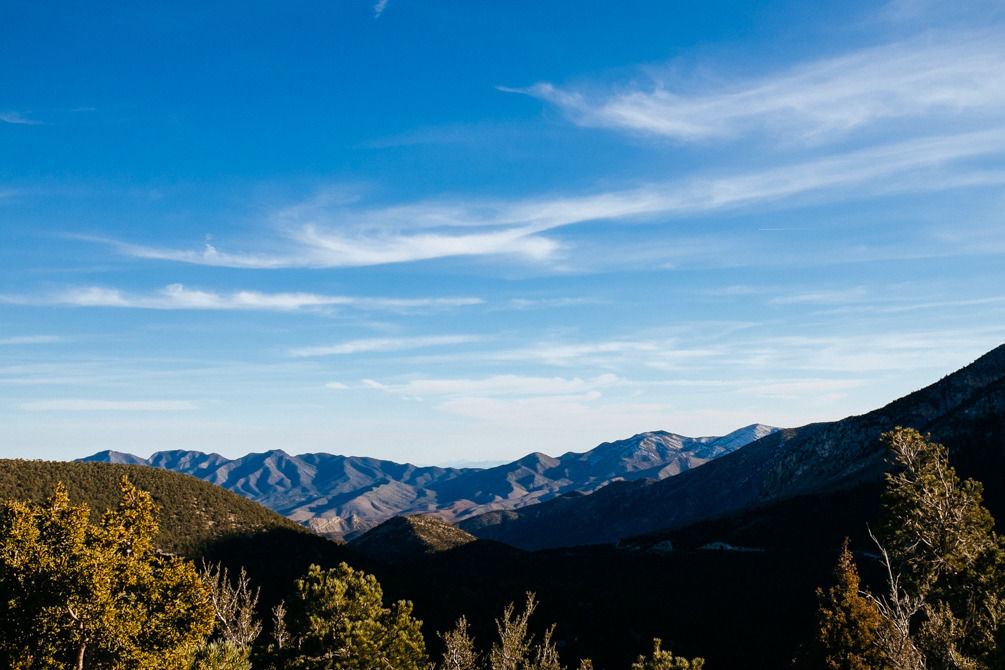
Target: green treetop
<point x="80" y="596"/>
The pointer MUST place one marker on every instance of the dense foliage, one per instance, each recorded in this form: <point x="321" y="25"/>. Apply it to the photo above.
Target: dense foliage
<point x="95" y="596"/>
<point x="337" y="619"/>
<point x="944" y="606"/>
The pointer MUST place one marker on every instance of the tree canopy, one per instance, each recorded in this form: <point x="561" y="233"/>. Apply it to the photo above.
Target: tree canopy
<point x="337" y="619"/>
<point x="95" y="596"/>
<point x="944" y="606"/>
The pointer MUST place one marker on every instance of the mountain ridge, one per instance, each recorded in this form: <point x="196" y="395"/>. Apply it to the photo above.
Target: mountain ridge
<point x="343" y="496"/>
<point x="815" y="458"/>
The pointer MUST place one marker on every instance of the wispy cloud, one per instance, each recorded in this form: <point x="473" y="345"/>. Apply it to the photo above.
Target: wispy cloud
<point x="177" y="296"/>
<point x="925" y="79"/>
<point x="80" y="405"/>
<point x="832" y="297"/>
<point x="32" y="339"/>
<point x="315" y="247"/>
<point x="383" y="344"/>
<point x="16" y="118"/>
<point x="499" y="385"/>
<point x="791" y="390"/>
<point x="379" y="8"/>
<point x="433" y="230"/>
<point x="601" y="354"/>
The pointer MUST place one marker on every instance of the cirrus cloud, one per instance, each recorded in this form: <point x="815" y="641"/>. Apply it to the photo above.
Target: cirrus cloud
<point x="924" y="79"/>
<point x="86" y="405"/>
<point x="178" y="296"/>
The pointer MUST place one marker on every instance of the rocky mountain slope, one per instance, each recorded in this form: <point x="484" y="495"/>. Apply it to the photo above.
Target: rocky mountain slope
<point x="343" y="496"/>
<point x="965" y="411"/>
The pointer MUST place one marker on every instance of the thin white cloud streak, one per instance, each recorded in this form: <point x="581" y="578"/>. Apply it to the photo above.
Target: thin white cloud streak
<point x="601" y="354"/>
<point x="802" y="388"/>
<point x="850" y="295"/>
<point x="382" y="345"/>
<point x="934" y="77"/>
<point x="177" y="296"/>
<point x="79" y="405"/>
<point x="17" y="119"/>
<point x="691" y="353"/>
<point x="379" y="8"/>
<point x="499" y="385"/>
<point x="32" y="339"/>
<point x="927" y="164"/>
<point x="334" y="249"/>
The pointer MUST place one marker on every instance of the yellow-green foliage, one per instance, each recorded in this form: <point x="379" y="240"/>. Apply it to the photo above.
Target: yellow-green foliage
<point x="337" y="619"/>
<point x="945" y="599"/>
<point x="945" y="555"/>
<point x="77" y="595"/>
<point x="664" y="660"/>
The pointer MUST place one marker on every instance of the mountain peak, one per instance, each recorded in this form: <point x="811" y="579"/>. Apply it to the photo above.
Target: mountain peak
<point x="109" y="456"/>
<point x="342" y="496"/>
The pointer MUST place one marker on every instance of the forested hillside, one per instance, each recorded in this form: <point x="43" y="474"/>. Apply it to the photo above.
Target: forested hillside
<point x="195" y="515"/>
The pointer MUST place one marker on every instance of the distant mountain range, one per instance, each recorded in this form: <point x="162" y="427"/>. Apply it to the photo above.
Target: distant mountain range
<point x="343" y="496"/>
<point x="965" y="411"/>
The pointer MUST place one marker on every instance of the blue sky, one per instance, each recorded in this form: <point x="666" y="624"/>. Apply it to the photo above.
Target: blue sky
<point x="443" y="231"/>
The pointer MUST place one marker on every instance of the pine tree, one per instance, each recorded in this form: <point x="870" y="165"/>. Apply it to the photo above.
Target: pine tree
<point x="848" y="625"/>
<point x="337" y="619"/>
<point x="221" y="655"/>
<point x="941" y="550"/>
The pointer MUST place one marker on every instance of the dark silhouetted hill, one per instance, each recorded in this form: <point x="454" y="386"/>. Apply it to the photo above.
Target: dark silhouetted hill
<point x="965" y="411"/>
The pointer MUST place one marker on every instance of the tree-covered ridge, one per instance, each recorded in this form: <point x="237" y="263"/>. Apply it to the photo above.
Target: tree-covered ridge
<point x="194" y="514"/>
<point x="75" y="593"/>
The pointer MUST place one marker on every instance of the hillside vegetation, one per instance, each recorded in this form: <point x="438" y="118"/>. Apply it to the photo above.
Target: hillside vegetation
<point x="194" y="516"/>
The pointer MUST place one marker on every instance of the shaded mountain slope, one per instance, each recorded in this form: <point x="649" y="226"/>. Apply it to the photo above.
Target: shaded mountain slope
<point x="342" y="496"/>
<point x="609" y="604"/>
<point x="965" y="411"/>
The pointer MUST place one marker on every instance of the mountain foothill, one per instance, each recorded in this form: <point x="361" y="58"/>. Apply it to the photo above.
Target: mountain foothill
<point x="714" y="545"/>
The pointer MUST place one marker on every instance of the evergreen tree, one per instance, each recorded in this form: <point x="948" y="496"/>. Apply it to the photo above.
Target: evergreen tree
<point x="849" y="625"/>
<point x="337" y="620"/>
<point x="942" y="555"/>
<point x="516" y="649"/>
